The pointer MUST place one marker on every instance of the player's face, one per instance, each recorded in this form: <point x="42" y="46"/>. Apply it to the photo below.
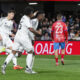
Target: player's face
<point x="41" y="16"/>
<point x="11" y="15"/>
<point x="31" y="15"/>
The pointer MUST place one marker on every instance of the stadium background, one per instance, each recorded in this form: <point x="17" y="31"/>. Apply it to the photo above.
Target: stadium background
<point x="45" y="64"/>
<point x="71" y="16"/>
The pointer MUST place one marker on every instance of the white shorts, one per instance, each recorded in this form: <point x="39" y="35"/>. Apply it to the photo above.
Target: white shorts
<point x="23" y="41"/>
<point x="7" y="42"/>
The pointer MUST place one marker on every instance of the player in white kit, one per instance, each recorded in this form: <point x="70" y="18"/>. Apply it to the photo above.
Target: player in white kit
<point x="39" y="17"/>
<point x="6" y="25"/>
<point x="35" y="22"/>
<point x="22" y="40"/>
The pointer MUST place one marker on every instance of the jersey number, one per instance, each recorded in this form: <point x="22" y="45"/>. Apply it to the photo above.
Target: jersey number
<point x="59" y="28"/>
<point x="20" y="25"/>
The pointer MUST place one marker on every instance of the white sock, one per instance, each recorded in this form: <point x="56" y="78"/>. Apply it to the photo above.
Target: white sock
<point x="32" y="61"/>
<point x="14" y="59"/>
<point x="29" y="60"/>
<point x="8" y="59"/>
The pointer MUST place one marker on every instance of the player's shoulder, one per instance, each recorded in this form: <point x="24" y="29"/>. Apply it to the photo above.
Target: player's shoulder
<point x="2" y="18"/>
<point x="25" y="17"/>
<point x="35" y="19"/>
<point x="61" y="22"/>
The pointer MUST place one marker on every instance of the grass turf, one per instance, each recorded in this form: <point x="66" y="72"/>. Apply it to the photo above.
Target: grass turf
<point x="46" y="68"/>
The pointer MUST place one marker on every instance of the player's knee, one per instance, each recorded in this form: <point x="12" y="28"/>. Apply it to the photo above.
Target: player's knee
<point x="56" y="51"/>
<point x="13" y="51"/>
<point x="34" y="53"/>
<point x="63" y="51"/>
<point x="0" y="38"/>
<point x="30" y="52"/>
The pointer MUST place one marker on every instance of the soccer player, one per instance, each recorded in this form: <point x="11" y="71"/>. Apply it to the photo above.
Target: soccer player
<point x="6" y="25"/>
<point x="22" y="40"/>
<point x="40" y="15"/>
<point x="59" y="35"/>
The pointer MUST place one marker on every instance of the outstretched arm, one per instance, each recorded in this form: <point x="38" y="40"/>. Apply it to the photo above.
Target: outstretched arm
<point x="35" y="31"/>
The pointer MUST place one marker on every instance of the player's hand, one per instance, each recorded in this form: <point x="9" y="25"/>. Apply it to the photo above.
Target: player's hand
<point x="52" y="40"/>
<point x="12" y="35"/>
<point x="66" y="41"/>
<point x="35" y="13"/>
<point x="31" y="29"/>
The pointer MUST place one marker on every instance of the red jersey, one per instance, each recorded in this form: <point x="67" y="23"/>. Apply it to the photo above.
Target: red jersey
<point x="59" y="32"/>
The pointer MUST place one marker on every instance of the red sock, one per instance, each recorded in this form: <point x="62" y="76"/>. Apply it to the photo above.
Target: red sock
<point x="56" y="59"/>
<point x="62" y="56"/>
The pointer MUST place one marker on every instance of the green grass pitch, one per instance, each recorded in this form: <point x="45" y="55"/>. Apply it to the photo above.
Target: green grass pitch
<point x="46" y="68"/>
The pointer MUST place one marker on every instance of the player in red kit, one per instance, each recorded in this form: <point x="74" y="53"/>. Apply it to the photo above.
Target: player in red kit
<point x="59" y="35"/>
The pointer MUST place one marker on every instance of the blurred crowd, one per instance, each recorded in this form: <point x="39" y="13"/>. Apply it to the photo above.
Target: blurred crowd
<point x="73" y="24"/>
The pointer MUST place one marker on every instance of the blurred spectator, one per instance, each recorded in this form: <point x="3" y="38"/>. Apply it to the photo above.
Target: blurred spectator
<point x="64" y="18"/>
<point x="72" y="35"/>
<point x="45" y="37"/>
<point x="70" y="20"/>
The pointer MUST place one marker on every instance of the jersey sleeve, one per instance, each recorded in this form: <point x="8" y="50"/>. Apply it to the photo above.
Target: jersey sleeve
<point x="34" y="23"/>
<point x="66" y="31"/>
<point x="11" y="28"/>
<point x="28" y="23"/>
<point x="65" y="27"/>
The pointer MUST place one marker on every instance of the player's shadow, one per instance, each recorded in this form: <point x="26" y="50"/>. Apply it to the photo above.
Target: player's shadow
<point x="47" y="72"/>
<point x="72" y="63"/>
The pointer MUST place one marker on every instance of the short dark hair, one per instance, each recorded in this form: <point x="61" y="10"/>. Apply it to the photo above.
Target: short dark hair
<point x="12" y="11"/>
<point x="28" y="10"/>
<point x="59" y="16"/>
<point x="39" y="12"/>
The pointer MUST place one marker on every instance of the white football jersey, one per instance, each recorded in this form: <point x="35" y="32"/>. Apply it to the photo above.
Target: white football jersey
<point x="25" y="23"/>
<point x="6" y="26"/>
<point x="35" y="23"/>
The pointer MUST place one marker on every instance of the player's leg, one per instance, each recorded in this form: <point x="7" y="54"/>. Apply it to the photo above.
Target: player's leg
<point x="19" y="53"/>
<point x="10" y="56"/>
<point x="6" y="62"/>
<point x="8" y="59"/>
<point x="9" y="45"/>
<point x="2" y="48"/>
<point x="15" y="50"/>
<point x="14" y="60"/>
<point x="33" y="60"/>
<point x="56" y="47"/>
<point x="33" y="55"/>
<point x="29" y="62"/>
<point x="62" y="52"/>
<point x="29" y="59"/>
